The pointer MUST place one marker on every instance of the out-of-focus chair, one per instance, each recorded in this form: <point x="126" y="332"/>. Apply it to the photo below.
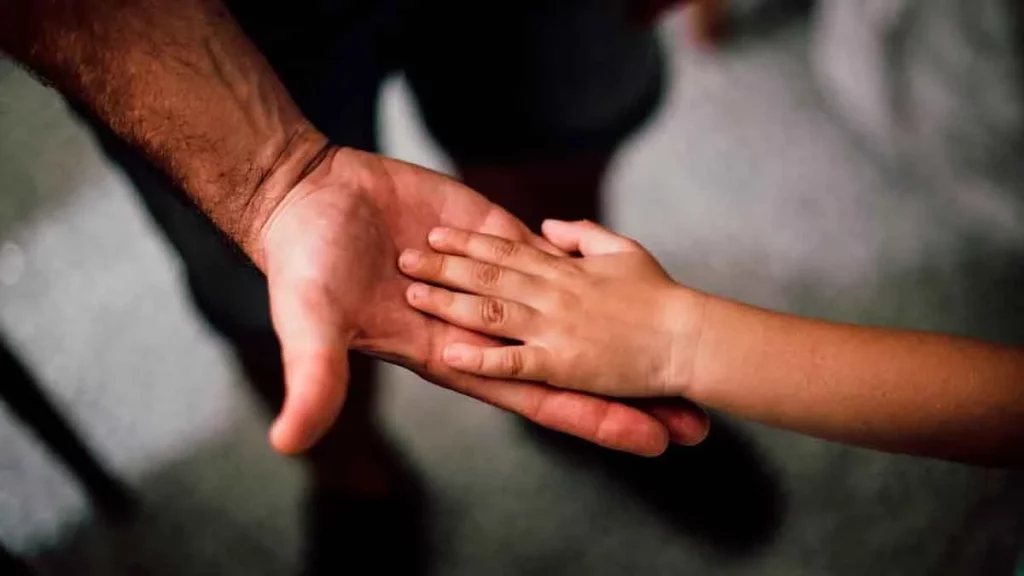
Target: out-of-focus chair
<point x="29" y="403"/>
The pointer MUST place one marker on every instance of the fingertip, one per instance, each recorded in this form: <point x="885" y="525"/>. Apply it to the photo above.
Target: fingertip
<point x="552" y="225"/>
<point x="438" y="235"/>
<point x="301" y="423"/>
<point x="559" y="235"/>
<point x="316" y="386"/>
<point x="416" y="293"/>
<point x="293" y="434"/>
<point x="283" y="440"/>
<point x="410" y="259"/>
<point x="654" y="443"/>
<point x="660" y="439"/>
<point x="628" y="429"/>
<point x="658" y="448"/>
<point x="692" y="431"/>
<point x="687" y="424"/>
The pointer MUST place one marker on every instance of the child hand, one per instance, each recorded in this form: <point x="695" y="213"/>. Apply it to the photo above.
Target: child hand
<point x="611" y="323"/>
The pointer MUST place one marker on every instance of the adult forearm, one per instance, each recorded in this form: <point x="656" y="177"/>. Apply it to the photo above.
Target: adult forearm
<point x="894" y="390"/>
<point x="179" y="80"/>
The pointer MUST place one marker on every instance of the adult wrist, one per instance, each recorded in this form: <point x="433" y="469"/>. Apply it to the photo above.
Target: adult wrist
<point x="283" y="166"/>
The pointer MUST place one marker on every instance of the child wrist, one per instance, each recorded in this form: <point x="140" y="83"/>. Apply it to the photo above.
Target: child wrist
<point x="686" y="314"/>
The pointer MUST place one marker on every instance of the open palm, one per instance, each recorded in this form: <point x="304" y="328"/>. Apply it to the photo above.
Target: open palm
<point x="330" y="252"/>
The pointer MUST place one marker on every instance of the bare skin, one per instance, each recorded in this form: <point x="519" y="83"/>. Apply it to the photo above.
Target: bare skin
<point x="612" y="322"/>
<point x="704" y="19"/>
<point x="181" y="82"/>
<point x="605" y="324"/>
<point x="336" y="286"/>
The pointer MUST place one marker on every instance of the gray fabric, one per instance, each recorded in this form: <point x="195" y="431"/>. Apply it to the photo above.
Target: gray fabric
<point x="934" y="88"/>
<point x="6" y="67"/>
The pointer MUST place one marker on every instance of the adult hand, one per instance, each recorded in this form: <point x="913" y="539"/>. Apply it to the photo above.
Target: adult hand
<point x="329" y="250"/>
<point x="704" y="18"/>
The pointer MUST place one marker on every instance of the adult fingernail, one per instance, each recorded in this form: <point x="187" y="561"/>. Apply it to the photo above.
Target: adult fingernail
<point x="437" y="235"/>
<point x="696" y="431"/>
<point x="410" y="258"/>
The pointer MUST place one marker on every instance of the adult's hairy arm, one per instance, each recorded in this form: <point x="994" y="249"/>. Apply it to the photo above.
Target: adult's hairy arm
<point x="179" y="80"/>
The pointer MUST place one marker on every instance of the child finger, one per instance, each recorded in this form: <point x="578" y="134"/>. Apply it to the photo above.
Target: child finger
<point x="491" y="316"/>
<point x="519" y="256"/>
<point x="515" y="362"/>
<point x="586" y="238"/>
<point x="467" y="275"/>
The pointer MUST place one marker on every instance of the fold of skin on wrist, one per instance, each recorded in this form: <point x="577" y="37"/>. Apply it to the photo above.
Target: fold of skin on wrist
<point x="685" y="314"/>
<point x="302" y="155"/>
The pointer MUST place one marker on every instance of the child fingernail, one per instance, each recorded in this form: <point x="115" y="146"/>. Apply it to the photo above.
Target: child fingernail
<point x="454" y="354"/>
<point x="437" y="235"/>
<point x="409" y="259"/>
<point x="418" y="292"/>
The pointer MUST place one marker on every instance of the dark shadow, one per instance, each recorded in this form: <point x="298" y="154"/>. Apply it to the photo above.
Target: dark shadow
<point x="751" y="23"/>
<point x="205" y="514"/>
<point x="342" y="533"/>
<point x="10" y="564"/>
<point x="29" y="403"/>
<point x="993" y="525"/>
<point x="994" y="300"/>
<point x="25" y="397"/>
<point x="721" y="492"/>
<point x="383" y="535"/>
<point x="6" y="67"/>
<point x="188" y="524"/>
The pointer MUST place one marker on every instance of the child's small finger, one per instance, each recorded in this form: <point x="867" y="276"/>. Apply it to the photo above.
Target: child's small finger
<point x="492" y="316"/>
<point x="520" y="256"/>
<point x="467" y="275"/>
<point x="515" y="362"/>
<point x="586" y="238"/>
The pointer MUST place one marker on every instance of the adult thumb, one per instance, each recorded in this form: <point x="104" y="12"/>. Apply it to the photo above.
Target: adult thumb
<point x="315" y="356"/>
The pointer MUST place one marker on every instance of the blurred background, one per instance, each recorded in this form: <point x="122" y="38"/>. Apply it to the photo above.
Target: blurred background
<point x="856" y="161"/>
